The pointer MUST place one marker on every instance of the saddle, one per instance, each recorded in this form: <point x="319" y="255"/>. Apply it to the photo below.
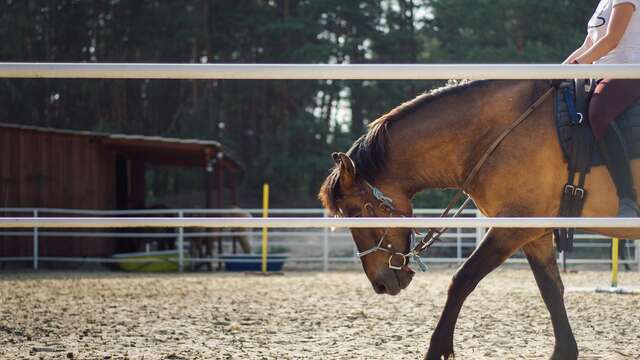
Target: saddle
<point x="577" y="142"/>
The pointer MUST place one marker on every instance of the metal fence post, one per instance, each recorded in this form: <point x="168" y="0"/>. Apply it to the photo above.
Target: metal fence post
<point x="180" y="245"/>
<point x="325" y="247"/>
<point x="458" y="246"/>
<point x="636" y="244"/>
<point x="354" y="258"/>
<point x="479" y="231"/>
<point x="35" y="243"/>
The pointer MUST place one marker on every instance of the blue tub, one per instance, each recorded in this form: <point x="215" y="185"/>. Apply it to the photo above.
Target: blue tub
<point x="252" y="262"/>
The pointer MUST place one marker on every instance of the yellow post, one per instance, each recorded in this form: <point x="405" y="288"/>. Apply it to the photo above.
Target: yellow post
<point x="614" y="262"/>
<point x="265" y="214"/>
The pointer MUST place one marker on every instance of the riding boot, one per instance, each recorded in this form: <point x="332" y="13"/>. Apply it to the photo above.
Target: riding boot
<point x="614" y="151"/>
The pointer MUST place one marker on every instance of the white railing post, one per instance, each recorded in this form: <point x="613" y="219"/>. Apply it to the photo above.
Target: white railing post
<point x="479" y="230"/>
<point x="325" y="247"/>
<point x="35" y="243"/>
<point x="180" y="245"/>
<point x="355" y="252"/>
<point x="637" y="246"/>
<point x="458" y="246"/>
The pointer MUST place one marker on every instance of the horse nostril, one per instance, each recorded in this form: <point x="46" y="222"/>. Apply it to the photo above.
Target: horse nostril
<point x="379" y="288"/>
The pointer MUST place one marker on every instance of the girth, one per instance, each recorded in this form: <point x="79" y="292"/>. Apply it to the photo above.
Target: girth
<point x="579" y="159"/>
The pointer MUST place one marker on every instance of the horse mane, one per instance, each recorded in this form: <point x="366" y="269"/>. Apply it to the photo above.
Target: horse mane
<point x="369" y="152"/>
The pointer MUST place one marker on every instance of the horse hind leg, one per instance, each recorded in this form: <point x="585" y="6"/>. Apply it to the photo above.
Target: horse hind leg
<point x="194" y="252"/>
<point x="208" y="250"/>
<point x="542" y="259"/>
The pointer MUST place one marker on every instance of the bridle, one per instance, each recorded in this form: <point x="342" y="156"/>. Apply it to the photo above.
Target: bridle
<point x="416" y="248"/>
<point x="385" y="203"/>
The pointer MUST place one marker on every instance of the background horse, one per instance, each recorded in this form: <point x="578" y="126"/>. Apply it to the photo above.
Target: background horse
<point x="434" y="141"/>
<point x="205" y="246"/>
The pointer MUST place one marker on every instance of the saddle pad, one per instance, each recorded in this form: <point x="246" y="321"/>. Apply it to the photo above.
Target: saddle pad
<point x="628" y="121"/>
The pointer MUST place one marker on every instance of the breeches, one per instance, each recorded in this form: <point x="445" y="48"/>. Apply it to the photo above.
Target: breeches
<point x="610" y="98"/>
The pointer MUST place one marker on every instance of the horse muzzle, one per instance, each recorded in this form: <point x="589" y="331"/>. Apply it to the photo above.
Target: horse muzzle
<point x="391" y="282"/>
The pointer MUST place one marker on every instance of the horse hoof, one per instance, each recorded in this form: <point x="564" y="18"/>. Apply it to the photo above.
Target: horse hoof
<point x="565" y="354"/>
<point x="439" y="355"/>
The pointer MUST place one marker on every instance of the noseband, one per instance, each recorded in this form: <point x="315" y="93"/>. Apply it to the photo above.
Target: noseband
<point x="388" y="249"/>
<point x="416" y="248"/>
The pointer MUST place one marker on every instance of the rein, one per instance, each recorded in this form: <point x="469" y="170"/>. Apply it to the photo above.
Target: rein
<point x="433" y="235"/>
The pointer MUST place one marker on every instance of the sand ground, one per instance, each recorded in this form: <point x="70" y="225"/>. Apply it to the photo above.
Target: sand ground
<point x="85" y="315"/>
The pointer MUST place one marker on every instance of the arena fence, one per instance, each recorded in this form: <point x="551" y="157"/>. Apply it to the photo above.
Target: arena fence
<point x="313" y="72"/>
<point x="316" y="71"/>
<point x="305" y="248"/>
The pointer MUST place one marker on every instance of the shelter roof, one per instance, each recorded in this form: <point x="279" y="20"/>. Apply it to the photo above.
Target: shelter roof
<point x="155" y="150"/>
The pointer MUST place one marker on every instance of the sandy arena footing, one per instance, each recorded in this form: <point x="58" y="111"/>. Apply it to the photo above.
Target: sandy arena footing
<point x="54" y="315"/>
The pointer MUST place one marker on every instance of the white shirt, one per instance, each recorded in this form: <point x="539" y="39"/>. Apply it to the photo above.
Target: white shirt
<point x="628" y="50"/>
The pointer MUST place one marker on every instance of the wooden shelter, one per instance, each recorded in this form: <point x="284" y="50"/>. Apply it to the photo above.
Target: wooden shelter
<point x="52" y="168"/>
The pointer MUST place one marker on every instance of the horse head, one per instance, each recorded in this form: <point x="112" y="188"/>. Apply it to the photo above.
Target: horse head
<point x="381" y="251"/>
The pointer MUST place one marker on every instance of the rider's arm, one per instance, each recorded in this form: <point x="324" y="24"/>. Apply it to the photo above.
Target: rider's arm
<point x="620" y="18"/>
<point x="579" y="51"/>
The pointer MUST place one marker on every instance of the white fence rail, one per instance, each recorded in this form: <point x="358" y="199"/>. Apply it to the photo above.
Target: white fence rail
<point x="294" y="222"/>
<point x="316" y="71"/>
<point x="308" y="247"/>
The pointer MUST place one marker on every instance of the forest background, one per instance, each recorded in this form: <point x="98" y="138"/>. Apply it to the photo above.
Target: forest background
<point x="283" y="132"/>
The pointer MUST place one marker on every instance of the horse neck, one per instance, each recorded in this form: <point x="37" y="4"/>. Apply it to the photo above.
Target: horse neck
<point x="439" y="144"/>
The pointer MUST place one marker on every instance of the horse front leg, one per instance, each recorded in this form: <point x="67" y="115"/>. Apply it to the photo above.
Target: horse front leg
<point x="497" y="246"/>
<point x="542" y="259"/>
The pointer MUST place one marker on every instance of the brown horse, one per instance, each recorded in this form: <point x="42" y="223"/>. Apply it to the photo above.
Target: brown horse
<point x="203" y="247"/>
<point x="434" y="141"/>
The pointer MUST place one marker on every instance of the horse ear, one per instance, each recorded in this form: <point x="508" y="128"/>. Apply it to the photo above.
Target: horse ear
<point x="336" y="157"/>
<point x="347" y="169"/>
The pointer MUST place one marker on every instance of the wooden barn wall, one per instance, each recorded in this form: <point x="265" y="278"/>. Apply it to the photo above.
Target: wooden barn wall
<point x="52" y="170"/>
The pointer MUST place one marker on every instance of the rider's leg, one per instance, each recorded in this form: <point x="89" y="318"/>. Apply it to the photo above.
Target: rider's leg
<point x="609" y="100"/>
<point x="616" y="157"/>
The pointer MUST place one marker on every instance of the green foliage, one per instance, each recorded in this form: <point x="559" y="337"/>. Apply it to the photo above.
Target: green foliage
<point x="283" y="131"/>
<point x="506" y="30"/>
